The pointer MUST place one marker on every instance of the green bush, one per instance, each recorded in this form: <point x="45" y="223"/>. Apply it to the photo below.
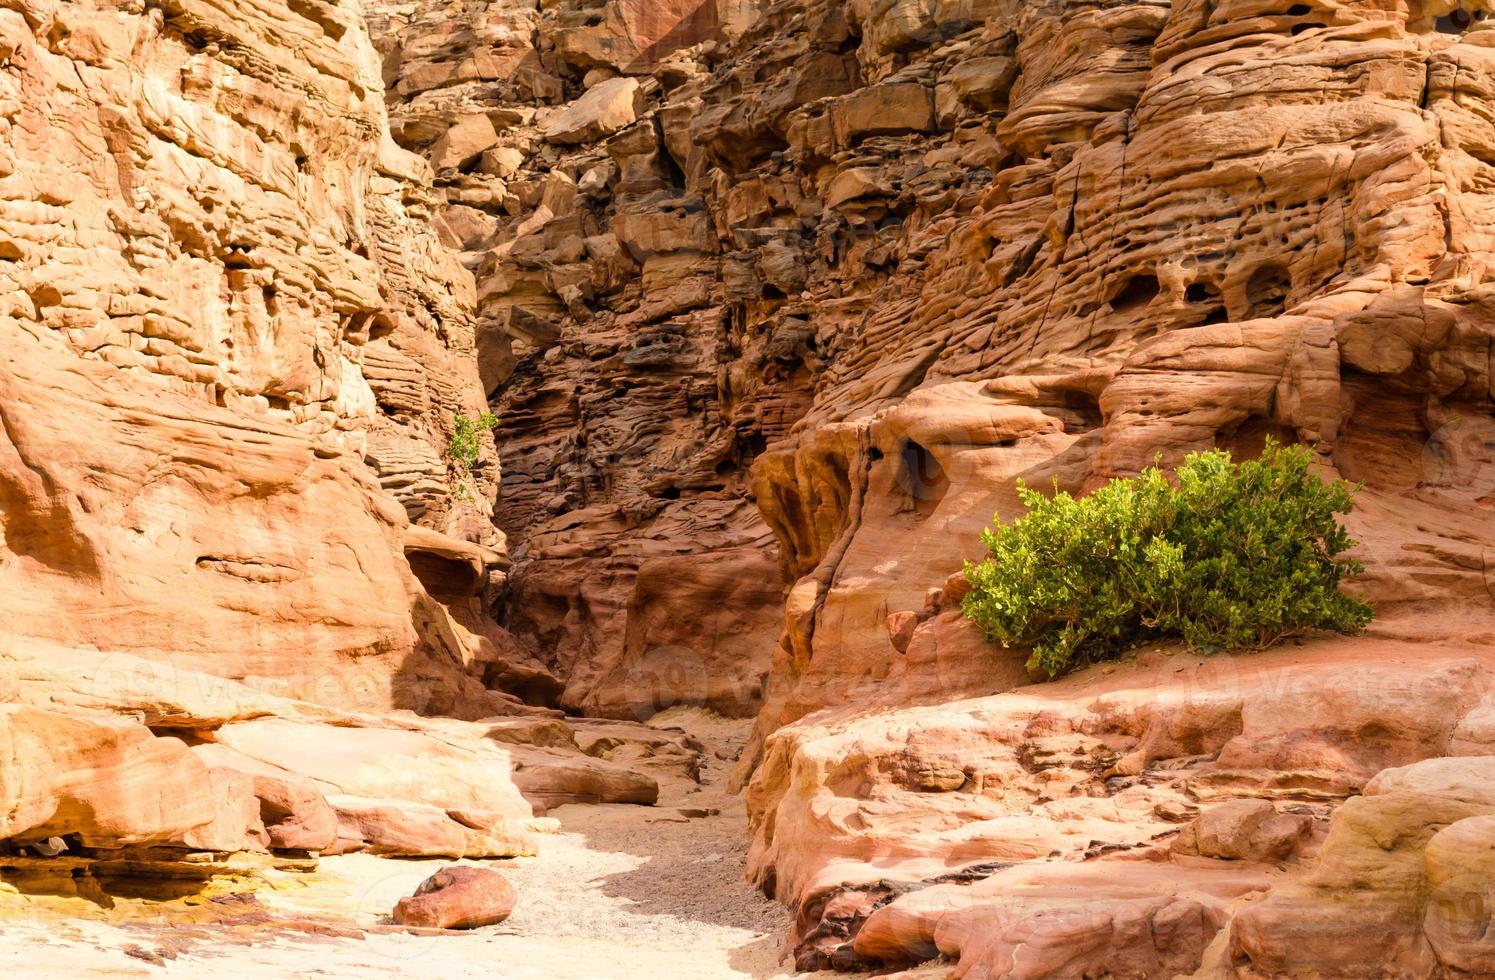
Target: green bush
<point x="1228" y="556"/>
<point x="466" y="445"/>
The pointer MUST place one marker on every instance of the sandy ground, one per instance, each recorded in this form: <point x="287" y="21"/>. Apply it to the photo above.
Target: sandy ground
<point x="622" y="891"/>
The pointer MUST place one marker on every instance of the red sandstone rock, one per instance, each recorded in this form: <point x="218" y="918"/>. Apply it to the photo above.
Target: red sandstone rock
<point x="109" y="781"/>
<point x="1250" y="830"/>
<point x="292" y="811"/>
<point x="458" y="897"/>
<point x="1099" y="766"/>
<point x="766" y="359"/>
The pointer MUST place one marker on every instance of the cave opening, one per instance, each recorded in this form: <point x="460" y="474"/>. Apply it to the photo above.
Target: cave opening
<point x="922" y="477"/>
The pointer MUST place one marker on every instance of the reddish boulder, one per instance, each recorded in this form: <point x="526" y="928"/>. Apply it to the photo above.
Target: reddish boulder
<point x="458" y="897"/>
<point x="1250" y="830"/>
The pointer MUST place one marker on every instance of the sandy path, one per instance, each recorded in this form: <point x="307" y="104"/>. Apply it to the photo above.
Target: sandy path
<point x="622" y="891"/>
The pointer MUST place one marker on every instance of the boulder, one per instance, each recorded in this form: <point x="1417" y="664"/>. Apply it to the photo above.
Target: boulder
<point x="1250" y="830"/>
<point x="983" y="82"/>
<point x="605" y="109"/>
<point x="1137" y="919"/>
<point x="631" y="36"/>
<point x="291" y="809"/>
<point x="402" y="828"/>
<point x="552" y="779"/>
<point x="858" y="182"/>
<point x="1460" y="865"/>
<point x="884" y="110"/>
<point x="467" y="137"/>
<point x="458" y="897"/>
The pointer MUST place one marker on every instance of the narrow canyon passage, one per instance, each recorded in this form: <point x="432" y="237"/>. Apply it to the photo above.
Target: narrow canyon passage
<point x="396" y="394"/>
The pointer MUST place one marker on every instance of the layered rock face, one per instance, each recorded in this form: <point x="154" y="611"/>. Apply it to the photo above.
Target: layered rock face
<point x="775" y="301"/>
<point x="232" y="354"/>
<point x="1172" y="240"/>
<point x="221" y="301"/>
<point x="632" y="393"/>
<point x="867" y="265"/>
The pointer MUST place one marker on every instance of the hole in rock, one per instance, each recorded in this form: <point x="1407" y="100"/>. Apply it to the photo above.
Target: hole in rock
<point x="1267" y="290"/>
<point x="1078" y="411"/>
<point x="444" y="576"/>
<point x="1137" y="293"/>
<point x="1382" y="441"/>
<point x="1300" y="28"/>
<point x="1023" y="262"/>
<point x="1247" y="440"/>
<point x="1298" y="10"/>
<point x="922" y="476"/>
<point x="1456" y="21"/>
<point x="382" y="327"/>
<point x="44" y="296"/>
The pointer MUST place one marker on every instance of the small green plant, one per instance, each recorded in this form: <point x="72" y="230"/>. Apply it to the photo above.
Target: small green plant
<point x="1228" y="556"/>
<point x="465" y="447"/>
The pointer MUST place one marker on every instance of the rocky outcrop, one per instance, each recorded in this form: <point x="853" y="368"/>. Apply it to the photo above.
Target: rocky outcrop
<point x="1165" y="256"/>
<point x="233" y="352"/>
<point x="238" y="562"/>
<point x="112" y="753"/>
<point x="867" y="823"/>
<point x="867" y="265"/>
<point x="776" y="301"/>
<point x="644" y="574"/>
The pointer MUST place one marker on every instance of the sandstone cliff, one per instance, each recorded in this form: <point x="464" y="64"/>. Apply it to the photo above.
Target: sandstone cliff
<point x="865" y="265"/>
<point x="775" y="301"/>
<point x="222" y="301"/>
<point x="235" y="562"/>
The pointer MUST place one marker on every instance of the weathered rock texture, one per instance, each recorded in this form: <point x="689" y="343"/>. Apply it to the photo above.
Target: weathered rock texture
<point x="232" y="350"/>
<point x="235" y="562"/>
<point x="630" y="402"/>
<point x="458" y="897"/>
<point x="865" y="265"/>
<point x="776" y="301"/>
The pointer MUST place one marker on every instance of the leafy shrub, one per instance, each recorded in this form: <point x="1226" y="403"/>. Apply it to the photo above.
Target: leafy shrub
<point x="466" y="445"/>
<point x="1230" y="556"/>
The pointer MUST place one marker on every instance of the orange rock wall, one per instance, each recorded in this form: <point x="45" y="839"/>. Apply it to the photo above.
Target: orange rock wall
<point x="231" y="349"/>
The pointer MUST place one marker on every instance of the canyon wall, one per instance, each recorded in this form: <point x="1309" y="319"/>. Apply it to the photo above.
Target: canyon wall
<point x="632" y="394"/>
<point x="835" y="266"/>
<point x="233" y="351"/>
<point x="775" y="301"/>
<point x="236" y="562"/>
<point x="863" y="266"/>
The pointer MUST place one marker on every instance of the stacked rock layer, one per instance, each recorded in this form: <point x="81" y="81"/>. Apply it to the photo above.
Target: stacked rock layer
<point x="863" y="266"/>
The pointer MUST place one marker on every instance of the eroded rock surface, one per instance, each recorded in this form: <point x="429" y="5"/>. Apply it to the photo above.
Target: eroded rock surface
<point x="866" y="265"/>
<point x="234" y="348"/>
<point x="775" y="300"/>
<point x="239" y="567"/>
